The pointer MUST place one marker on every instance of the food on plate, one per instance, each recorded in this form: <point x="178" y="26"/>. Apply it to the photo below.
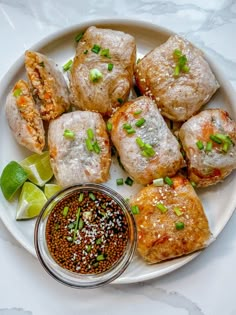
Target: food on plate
<point x="146" y="146"/>
<point x="12" y="178"/>
<point x="87" y="232"/>
<point x="38" y="168"/>
<point x="79" y="148"/>
<point x="170" y="220"/>
<point x="177" y="77"/>
<point x="49" y="85"/>
<point x="209" y="140"/>
<point x="24" y="119"/>
<point x="102" y="71"/>
<point x="31" y="202"/>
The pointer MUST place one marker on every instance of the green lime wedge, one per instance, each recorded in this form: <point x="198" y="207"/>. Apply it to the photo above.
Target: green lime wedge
<point x="31" y="201"/>
<point x="38" y="168"/>
<point x="51" y="189"/>
<point x="12" y="178"/>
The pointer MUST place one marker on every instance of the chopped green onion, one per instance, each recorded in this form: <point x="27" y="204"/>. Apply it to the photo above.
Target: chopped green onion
<point x="135" y="209"/>
<point x="69" y="134"/>
<point x="95" y="264"/>
<point x="65" y="211"/>
<point x="76" y="224"/>
<point x="90" y="134"/>
<point x="215" y="139"/>
<point x="129" y="181"/>
<point x="178" y="211"/>
<point x="57" y="226"/>
<point x="185" y="69"/>
<point x="91" y="196"/>
<point x="110" y="66"/>
<point x="96" y="148"/>
<point x="105" y="52"/>
<point x="127" y="126"/>
<point x="86" y="51"/>
<point x="176" y="71"/>
<point x="119" y="181"/>
<point x="193" y="184"/>
<point x="68" y="65"/>
<point x="158" y="182"/>
<point x="130" y="131"/>
<point x="88" y="248"/>
<point x="140" y="142"/>
<point x="179" y="225"/>
<point x="168" y="181"/>
<point x="199" y="144"/>
<point x="79" y="36"/>
<point x="182" y="61"/>
<point x="17" y="92"/>
<point x="69" y="238"/>
<point x="109" y="126"/>
<point x="71" y="226"/>
<point x="96" y="48"/>
<point x="98" y="241"/>
<point x="81" y="224"/>
<point x="208" y="146"/>
<point x="138" y="111"/>
<point x="140" y="122"/>
<point x="120" y="100"/>
<point x="100" y="257"/>
<point x="95" y="75"/>
<point x="41" y="64"/>
<point x="225" y="147"/>
<point x="224" y="138"/>
<point x="81" y="197"/>
<point x="89" y="144"/>
<point x="161" y="207"/>
<point x="177" y="53"/>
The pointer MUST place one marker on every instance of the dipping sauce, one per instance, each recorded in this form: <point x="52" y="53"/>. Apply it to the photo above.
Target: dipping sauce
<point x="87" y="232"/>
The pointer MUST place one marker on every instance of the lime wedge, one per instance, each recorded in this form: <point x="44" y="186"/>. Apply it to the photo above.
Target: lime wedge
<point x="51" y="189"/>
<point x="38" y="168"/>
<point x="31" y="201"/>
<point x="12" y="178"/>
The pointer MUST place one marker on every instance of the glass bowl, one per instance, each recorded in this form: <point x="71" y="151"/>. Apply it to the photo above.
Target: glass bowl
<point x="85" y="236"/>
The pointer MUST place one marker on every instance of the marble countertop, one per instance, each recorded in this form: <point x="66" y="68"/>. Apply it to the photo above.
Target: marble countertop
<point x="205" y="286"/>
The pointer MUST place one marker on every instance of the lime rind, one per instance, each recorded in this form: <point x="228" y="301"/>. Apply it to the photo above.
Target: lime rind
<point x="51" y="189"/>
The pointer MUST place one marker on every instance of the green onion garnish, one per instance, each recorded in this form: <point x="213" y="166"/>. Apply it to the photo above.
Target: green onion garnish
<point x="140" y="122"/>
<point x="81" y="197"/>
<point x="65" y="211"/>
<point x="193" y="184"/>
<point x="69" y="134"/>
<point x="135" y="209"/>
<point x="177" y="53"/>
<point x="71" y="226"/>
<point x="91" y="196"/>
<point x="178" y="211"/>
<point x="96" y="48"/>
<point x="127" y="126"/>
<point x="176" y="71"/>
<point x="95" y="264"/>
<point x="95" y="75"/>
<point x="109" y="126"/>
<point x="110" y="66"/>
<point x="129" y="181"/>
<point x="105" y="53"/>
<point x="89" y="144"/>
<point x="90" y="134"/>
<point x="81" y="224"/>
<point x="119" y="181"/>
<point x="96" y="147"/>
<point x="158" y="182"/>
<point x="137" y="112"/>
<point x="76" y="224"/>
<point x="181" y="63"/>
<point x="215" y="139"/>
<point x="208" y="146"/>
<point x="79" y="36"/>
<point x="225" y="147"/>
<point x="98" y="241"/>
<point x="148" y="149"/>
<point x="69" y="238"/>
<point x="185" y="69"/>
<point x="100" y="257"/>
<point x="130" y="131"/>
<point x="17" y="92"/>
<point x="41" y="64"/>
<point x="168" y="181"/>
<point x="88" y="248"/>
<point x="140" y="142"/>
<point x="199" y="144"/>
<point x="86" y="51"/>
<point x="161" y="207"/>
<point x="224" y="138"/>
<point x="179" y="225"/>
<point x="120" y="100"/>
<point x="67" y="65"/>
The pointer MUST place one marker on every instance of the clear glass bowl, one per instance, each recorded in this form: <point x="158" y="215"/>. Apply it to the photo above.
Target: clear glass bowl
<point x="75" y="279"/>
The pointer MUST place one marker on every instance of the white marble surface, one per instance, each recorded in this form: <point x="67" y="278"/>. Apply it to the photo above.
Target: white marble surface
<point x="204" y="286"/>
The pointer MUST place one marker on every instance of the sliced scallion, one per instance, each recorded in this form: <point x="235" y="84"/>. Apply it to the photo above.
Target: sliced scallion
<point x="158" y="182"/>
<point x="109" y="126"/>
<point x="90" y="134"/>
<point x="65" y="211"/>
<point x="110" y="66"/>
<point x="208" y="146"/>
<point x="92" y="197"/>
<point x="95" y="75"/>
<point x="200" y="145"/>
<point x="177" y="211"/>
<point x="137" y="112"/>
<point x="100" y="257"/>
<point x="215" y="139"/>
<point x="81" y="224"/>
<point x="89" y="144"/>
<point x="140" y="122"/>
<point x="130" y="131"/>
<point x="78" y="37"/>
<point x="105" y="52"/>
<point x="96" y="48"/>
<point x="76" y="224"/>
<point x="168" y="181"/>
<point x="17" y="92"/>
<point x="96" y="147"/>
<point x="179" y="225"/>
<point x="161" y="207"/>
<point x="119" y="181"/>
<point x="127" y="126"/>
<point x="129" y="181"/>
<point x="135" y="209"/>
<point x="140" y="142"/>
<point x="81" y="197"/>
<point x="69" y="134"/>
<point x="68" y="65"/>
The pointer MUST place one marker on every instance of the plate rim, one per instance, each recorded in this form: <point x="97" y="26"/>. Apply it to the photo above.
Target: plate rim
<point x="54" y="36"/>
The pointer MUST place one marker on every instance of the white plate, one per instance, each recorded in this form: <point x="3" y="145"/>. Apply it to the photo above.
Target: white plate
<point x="219" y="201"/>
